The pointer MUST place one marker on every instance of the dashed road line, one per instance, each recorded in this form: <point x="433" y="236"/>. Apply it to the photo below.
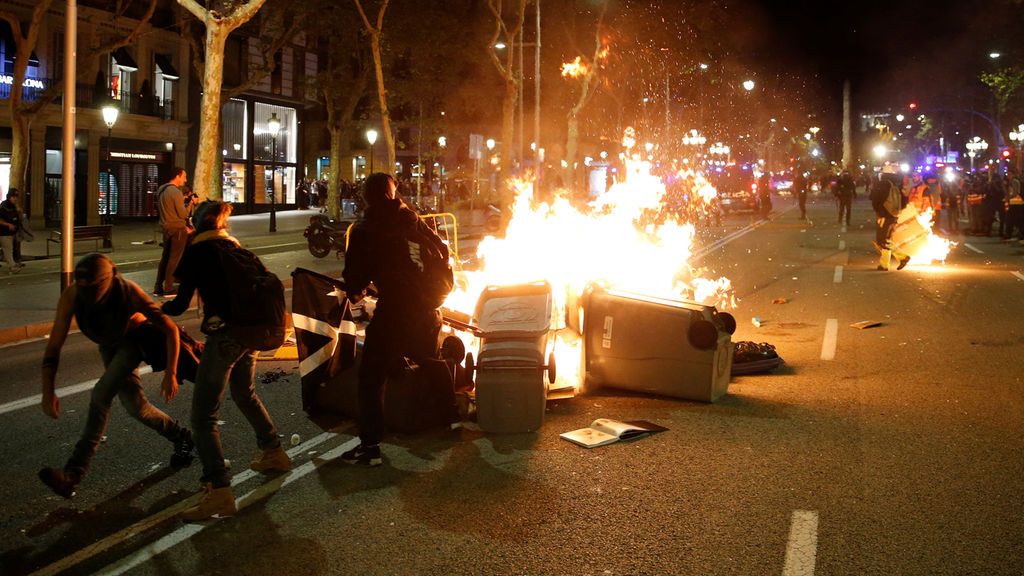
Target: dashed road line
<point x="187" y="531"/>
<point x="837" y="277"/>
<point x="171" y="512"/>
<point x="802" y="548"/>
<point x="842" y="245"/>
<point x="970" y="247"/>
<point x="828" y="345"/>
<point x="61" y="393"/>
<point x="1018" y="275"/>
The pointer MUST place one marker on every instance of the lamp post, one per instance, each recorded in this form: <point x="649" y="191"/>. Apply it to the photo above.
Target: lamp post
<point x="1017" y="137"/>
<point x="442" y="143"/>
<point x="371" y="137"/>
<point x="974" y="148"/>
<point x="274" y="127"/>
<point x="110" y="112"/>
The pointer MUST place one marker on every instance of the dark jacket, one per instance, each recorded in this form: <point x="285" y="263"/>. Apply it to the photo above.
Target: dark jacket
<point x="378" y="252"/>
<point x="107" y="322"/>
<point x="884" y="190"/>
<point x="9" y="213"/>
<point x="201" y="269"/>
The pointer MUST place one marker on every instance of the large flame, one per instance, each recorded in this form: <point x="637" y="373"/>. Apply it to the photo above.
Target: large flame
<point x="625" y="238"/>
<point x="935" y="248"/>
<point x="574" y="69"/>
<point x="914" y="236"/>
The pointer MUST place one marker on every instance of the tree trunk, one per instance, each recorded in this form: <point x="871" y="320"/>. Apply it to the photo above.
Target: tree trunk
<point x="207" y="177"/>
<point x="570" y="152"/>
<point x="385" y="116"/>
<point x="19" y="150"/>
<point x="508" y="116"/>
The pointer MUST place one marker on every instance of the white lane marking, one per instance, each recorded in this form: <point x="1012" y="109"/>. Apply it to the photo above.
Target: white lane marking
<point x="828" y="345"/>
<point x="148" y="552"/>
<point x="969" y="247"/>
<point x="802" y="548"/>
<point x="168" y="513"/>
<point x="843" y="229"/>
<point x="1018" y="275"/>
<point x="61" y="393"/>
<point x="837" y="277"/>
<point x="842" y="245"/>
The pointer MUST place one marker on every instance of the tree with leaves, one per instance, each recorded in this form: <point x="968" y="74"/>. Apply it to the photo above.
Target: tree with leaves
<point x="23" y="113"/>
<point x="586" y="69"/>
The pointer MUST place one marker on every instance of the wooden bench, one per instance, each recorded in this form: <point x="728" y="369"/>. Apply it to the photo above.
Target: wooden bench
<point x="96" y="233"/>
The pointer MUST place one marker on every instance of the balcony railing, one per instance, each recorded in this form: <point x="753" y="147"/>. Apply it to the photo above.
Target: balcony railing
<point x="88" y="96"/>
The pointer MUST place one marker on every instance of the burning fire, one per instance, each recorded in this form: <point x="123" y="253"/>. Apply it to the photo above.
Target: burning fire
<point x="612" y="241"/>
<point x="574" y="69"/>
<point x="922" y="244"/>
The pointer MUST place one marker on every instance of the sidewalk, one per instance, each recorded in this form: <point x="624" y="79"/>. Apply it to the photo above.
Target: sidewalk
<point x="28" y="300"/>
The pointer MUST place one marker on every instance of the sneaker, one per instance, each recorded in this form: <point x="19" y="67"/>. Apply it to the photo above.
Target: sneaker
<point x="903" y="263"/>
<point x="271" y="460"/>
<point x="363" y="456"/>
<point x="158" y="291"/>
<point x="61" y="482"/>
<point x="216" y="502"/>
<point x="183" y="447"/>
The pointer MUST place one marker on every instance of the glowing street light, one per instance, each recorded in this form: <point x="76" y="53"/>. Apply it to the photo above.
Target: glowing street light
<point x="974" y="148"/>
<point x="110" y="112"/>
<point x="371" y="137"/>
<point x="994" y="55"/>
<point x="748" y="85"/>
<point x="274" y="128"/>
<point x="880" y="151"/>
<point x="1017" y="137"/>
<point x="490" y="143"/>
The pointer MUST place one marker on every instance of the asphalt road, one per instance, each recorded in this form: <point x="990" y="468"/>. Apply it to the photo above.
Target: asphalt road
<point x="896" y="451"/>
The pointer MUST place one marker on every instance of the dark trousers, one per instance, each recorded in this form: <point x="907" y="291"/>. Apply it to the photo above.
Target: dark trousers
<point x="392" y="335"/>
<point x="1015" y="221"/>
<point x="226" y="363"/>
<point x="845" y="205"/>
<point x="801" y="198"/>
<point x="121" y="379"/>
<point x="174" y="246"/>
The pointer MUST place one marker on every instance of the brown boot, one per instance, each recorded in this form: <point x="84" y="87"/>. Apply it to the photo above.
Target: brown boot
<point x="271" y="460"/>
<point x="215" y="502"/>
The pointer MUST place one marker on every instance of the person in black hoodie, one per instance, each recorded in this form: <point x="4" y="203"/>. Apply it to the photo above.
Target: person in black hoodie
<point x="108" y="308"/>
<point x="405" y="322"/>
<point x="225" y="362"/>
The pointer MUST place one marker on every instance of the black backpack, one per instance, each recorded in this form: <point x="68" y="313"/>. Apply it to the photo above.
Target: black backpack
<point x="256" y="309"/>
<point x="434" y="277"/>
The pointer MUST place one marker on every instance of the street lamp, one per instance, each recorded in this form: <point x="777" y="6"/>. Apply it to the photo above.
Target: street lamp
<point x="371" y="137"/>
<point x="974" y="148"/>
<point x="274" y="127"/>
<point x="1017" y="137"/>
<point x="110" y="112"/>
<point x="748" y="85"/>
<point x="880" y="151"/>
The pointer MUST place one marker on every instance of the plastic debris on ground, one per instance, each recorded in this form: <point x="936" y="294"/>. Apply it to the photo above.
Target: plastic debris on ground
<point x="865" y="324"/>
<point x="272" y="376"/>
<point x="780" y="301"/>
<point x="756" y="321"/>
<point x="754" y="358"/>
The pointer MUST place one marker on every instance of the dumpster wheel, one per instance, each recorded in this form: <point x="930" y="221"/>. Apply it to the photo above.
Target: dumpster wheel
<point x="552" y="371"/>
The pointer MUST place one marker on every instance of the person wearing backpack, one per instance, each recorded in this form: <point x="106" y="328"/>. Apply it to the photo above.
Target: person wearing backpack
<point x="224" y="273"/>
<point x="175" y="227"/>
<point x="408" y="263"/>
<point x="108" y="309"/>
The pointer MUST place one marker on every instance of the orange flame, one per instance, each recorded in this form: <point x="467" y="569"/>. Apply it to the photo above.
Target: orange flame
<point x="574" y="69"/>
<point x="935" y="248"/>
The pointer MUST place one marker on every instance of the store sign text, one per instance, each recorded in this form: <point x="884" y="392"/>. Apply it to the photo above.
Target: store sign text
<point x="28" y="83"/>
<point x="133" y="155"/>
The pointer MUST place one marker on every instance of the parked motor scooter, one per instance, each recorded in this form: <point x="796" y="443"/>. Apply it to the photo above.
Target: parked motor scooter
<point x="324" y="234"/>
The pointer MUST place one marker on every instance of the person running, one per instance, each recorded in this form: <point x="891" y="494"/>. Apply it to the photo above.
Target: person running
<point x="107" y="307"/>
<point x="225" y="364"/>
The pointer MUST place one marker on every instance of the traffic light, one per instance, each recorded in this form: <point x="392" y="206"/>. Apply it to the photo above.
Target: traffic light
<point x="913" y="106"/>
<point x="1005" y="153"/>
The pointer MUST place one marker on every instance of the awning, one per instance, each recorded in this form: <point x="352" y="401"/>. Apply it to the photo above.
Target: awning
<point x="124" y="60"/>
<point x="163" y="63"/>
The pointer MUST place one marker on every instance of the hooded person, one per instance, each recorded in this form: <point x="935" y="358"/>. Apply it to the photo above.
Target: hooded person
<point x="107" y="308"/>
<point x="406" y="320"/>
<point x="887" y="201"/>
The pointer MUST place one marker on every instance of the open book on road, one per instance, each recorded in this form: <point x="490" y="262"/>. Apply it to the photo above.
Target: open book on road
<point x="605" y="431"/>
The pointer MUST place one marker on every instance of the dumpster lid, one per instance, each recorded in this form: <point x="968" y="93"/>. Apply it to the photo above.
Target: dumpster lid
<point x="515" y="308"/>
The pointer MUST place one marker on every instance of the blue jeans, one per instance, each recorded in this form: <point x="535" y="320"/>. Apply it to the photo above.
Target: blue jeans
<point x="121" y="379"/>
<point x="226" y="362"/>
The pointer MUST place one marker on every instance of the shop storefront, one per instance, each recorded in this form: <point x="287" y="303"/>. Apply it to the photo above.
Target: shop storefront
<point x="132" y="175"/>
<point x="259" y="166"/>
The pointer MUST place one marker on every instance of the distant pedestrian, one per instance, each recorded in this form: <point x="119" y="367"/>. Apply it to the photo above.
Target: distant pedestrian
<point x="1015" y="205"/>
<point x="764" y="195"/>
<point x="225" y="364"/>
<point x="846" y="189"/>
<point x="174" y="222"/>
<point x="107" y="308"/>
<point x="10" y="223"/>
<point x="800" y="185"/>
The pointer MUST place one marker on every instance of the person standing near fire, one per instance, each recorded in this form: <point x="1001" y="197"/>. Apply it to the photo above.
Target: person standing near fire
<point x="846" y="189"/>
<point x="887" y="202"/>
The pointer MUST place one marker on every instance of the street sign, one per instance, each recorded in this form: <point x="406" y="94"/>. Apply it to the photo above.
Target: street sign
<point x="476" y="146"/>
